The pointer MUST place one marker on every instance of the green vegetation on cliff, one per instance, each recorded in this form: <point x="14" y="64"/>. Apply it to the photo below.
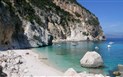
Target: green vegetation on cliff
<point x="24" y="9"/>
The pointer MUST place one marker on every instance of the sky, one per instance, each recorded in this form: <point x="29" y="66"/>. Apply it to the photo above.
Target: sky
<point x="109" y="13"/>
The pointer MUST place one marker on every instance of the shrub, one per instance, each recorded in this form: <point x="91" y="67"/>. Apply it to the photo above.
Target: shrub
<point x="77" y="14"/>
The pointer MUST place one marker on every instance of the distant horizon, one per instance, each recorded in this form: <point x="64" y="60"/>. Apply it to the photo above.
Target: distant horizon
<point x="109" y="13"/>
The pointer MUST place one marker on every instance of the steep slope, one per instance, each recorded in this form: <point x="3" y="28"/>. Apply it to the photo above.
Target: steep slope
<point x="87" y="26"/>
<point x="34" y="23"/>
<point x="70" y="21"/>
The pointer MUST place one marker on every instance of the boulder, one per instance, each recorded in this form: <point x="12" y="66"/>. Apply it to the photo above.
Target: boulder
<point x="120" y="67"/>
<point x="3" y="64"/>
<point x="70" y="72"/>
<point x="2" y="74"/>
<point x="91" y="59"/>
<point x="83" y="74"/>
<point x="116" y="73"/>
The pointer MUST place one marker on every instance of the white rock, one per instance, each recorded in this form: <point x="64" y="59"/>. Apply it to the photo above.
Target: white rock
<point x="70" y="72"/>
<point x="83" y="74"/>
<point x="91" y="59"/>
<point x="90" y="75"/>
<point x="98" y="75"/>
<point x="77" y="75"/>
<point x="3" y="64"/>
<point x="1" y="55"/>
<point x="17" y="60"/>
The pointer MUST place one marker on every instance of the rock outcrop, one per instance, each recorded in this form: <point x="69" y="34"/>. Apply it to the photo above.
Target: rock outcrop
<point x="70" y="72"/>
<point x="119" y="71"/>
<point x="35" y="23"/>
<point x="24" y="63"/>
<point x="91" y="59"/>
<point x="81" y="23"/>
<point x="2" y="74"/>
<point x="12" y="63"/>
<point x="73" y="73"/>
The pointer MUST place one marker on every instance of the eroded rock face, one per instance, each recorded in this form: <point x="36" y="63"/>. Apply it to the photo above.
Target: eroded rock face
<point x="33" y="36"/>
<point x="85" y="26"/>
<point x="6" y="26"/>
<point x="18" y="32"/>
<point x="91" y="59"/>
<point x="34" y="23"/>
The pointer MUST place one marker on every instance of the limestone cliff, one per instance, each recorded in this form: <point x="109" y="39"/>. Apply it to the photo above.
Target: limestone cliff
<point x="81" y="23"/>
<point x="34" y="23"/>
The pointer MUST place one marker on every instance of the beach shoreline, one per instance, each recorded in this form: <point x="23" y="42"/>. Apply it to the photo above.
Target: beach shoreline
<point x="32" y="64"/>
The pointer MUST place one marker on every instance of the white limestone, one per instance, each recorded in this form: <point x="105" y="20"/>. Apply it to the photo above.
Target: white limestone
<point x="91" y="59"/>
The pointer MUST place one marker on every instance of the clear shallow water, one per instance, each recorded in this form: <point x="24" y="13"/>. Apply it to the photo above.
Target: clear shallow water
<point x="66" y="55"/>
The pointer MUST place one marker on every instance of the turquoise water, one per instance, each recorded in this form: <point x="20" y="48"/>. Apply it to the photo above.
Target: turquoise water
<point x="64" y="55"/>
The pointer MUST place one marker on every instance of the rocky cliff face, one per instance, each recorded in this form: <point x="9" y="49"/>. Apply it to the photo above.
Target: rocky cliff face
<point x="35" y="23"/>
<point x="82" y="24"/>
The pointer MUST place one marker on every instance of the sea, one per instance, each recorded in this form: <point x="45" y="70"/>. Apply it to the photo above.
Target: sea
<point x="64" y="55"/>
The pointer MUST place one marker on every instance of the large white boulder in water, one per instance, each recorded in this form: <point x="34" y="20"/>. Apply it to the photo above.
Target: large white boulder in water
<point x="91" y="59"/>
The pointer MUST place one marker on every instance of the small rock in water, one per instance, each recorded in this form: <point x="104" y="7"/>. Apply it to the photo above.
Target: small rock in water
<point x="116" y="73"/>
<point x="120" y="67"/>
